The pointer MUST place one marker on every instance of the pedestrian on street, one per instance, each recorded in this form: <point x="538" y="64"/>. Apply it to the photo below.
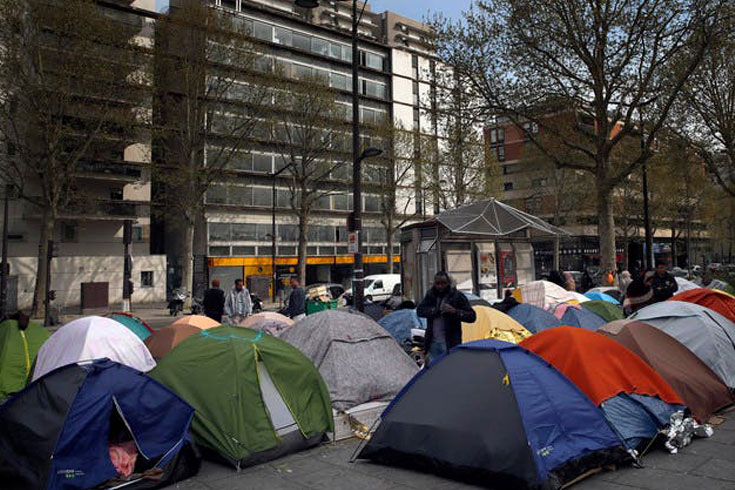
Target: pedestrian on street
<point x="214" y="302"/>
<point x="237" y="303"/>
<point x="445" y="309"/>
<point x="663" y="284"/>
<point x="296" y="309"/>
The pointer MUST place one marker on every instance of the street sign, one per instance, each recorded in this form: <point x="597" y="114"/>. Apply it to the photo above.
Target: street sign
<point x="352" y="242"/>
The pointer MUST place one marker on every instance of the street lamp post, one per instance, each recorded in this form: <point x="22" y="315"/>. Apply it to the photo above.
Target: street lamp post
<point x="274" y="197"/>
<point x="358" y="286"/>
<point x="648" y="263"/>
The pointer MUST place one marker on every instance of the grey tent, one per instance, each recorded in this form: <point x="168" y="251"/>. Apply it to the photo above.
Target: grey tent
<point x="705" y="332"/>
<point x="493" y="217"/>
<point x="358" y="359"/>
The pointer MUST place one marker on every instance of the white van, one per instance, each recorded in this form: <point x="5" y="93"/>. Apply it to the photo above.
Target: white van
<point x="380" y="286"/>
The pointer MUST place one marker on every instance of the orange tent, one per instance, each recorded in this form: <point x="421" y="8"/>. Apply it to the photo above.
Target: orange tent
<point x="598" y="365"/>
<point x="199" y="321"/>
<point x="162" y="341"/>
<point x="719" y="301"/>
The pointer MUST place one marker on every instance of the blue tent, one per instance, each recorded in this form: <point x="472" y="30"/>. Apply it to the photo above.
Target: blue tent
<point x="602" y="297"/>
<point x="533" y="318"/>
<point x="581" y="318"/>
<point x="490" y="411"/>
<point x="56" y="431"/>
<point x="638" y="417"/>
<point x="400" y="322"/>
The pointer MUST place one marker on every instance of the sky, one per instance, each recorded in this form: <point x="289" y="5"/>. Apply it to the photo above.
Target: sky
<point x="415" y="9"/>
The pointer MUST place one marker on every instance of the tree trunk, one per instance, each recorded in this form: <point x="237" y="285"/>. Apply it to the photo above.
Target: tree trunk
<point x="48" y="222"/>
<point x="674" y="252"/>
<point x="689" y="249"/>
<point x="606" y="228"/>
<point x="303" y="229"/>
<point x="187" y="263"/>
<point x="557" y="253"/>
<point x="626" y="255"/>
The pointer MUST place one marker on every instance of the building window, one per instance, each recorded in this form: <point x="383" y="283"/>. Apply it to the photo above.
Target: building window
<point x="501" y="153"/>
<point x="116" y="194"/>
<point x="287" y="250"/>
<point x="137" y="233"/>
<point x="539" y="182"/>
<point x="415" y="66"/>
<point x="240" y="251"/>
<point x="301" y="41"/>
<point x="265" y="251"/>
<point x="219" y="251"/>
<point x="312" y="251"/>
<point x="508" y="186"/>
<point x="415" y="89"/>
<point x="319" y="46"/>
<point x="505" y="170"/>
<point x="146" y="279"/>
<point x="283" y="36"/>
<point x="68" y="232"/>
<point x="263" y="31"/>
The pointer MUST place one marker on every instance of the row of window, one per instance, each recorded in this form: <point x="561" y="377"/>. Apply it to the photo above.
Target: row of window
<point x="254" y="232"/>
<point x="289" y="250"/>
<point x="263" y="197"/>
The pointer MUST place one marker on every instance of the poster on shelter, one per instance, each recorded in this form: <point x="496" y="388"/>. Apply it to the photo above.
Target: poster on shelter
<point x="486" y="267"/>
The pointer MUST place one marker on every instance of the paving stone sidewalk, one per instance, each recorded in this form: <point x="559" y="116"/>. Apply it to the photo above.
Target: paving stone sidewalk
<point x="707" y="464"/>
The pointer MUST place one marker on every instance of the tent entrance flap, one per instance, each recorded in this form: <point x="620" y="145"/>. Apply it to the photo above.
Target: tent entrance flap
<point x="281" y="417"/>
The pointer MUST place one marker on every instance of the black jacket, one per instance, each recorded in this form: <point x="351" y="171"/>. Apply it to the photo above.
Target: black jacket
<point x="663" y="287"/>
<point x="296" y="303"/>
<point x="452" y="323"/>
<point x="214" y="303"/>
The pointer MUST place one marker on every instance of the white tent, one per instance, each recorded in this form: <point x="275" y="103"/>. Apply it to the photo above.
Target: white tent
<point x="546" y="295"/>
<point x="685" y="285"/>
<point x="93" y="337"/>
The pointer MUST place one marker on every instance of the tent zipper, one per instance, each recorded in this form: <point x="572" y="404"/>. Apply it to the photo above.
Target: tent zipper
<point x="127" y="425"/>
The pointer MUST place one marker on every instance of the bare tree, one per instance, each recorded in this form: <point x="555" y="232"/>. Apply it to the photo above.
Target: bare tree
<point x="599" y="65"/>
<point x="312" y="136"/>
<point x="212" y="103"/>
<point x="69" y="85"/>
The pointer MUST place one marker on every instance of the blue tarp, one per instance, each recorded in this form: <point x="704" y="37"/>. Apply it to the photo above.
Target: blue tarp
<point x="581" y="318"/>
<point x="158" y="419"/>
<point x="637" y="417"/>
<point x="400" y="322"/>
<point x="602" y="297"/>
<point x="533" y="318"/>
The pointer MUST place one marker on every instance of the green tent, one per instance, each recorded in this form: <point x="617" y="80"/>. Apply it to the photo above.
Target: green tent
<point x="608" y="311"/>
<point x="256" y="397"/>
<point x="136" y="325"/>
<point x="18" y="350"/>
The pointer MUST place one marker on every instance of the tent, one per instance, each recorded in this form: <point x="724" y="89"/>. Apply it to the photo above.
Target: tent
<point x="533" y="318"/>
<point x="700" y="388"/>
<point x="576" y="316"/>
<point x="491" y="412"/>
<point x="608" y="311"/>
<point x="18" y="350"/>
<point x="400" y="323"/>
<point x="92" y="337"/>
<point x="545" y="294"/>
<point x="164" y="340"/>
<point x="592" y="295"/>
<point x="721" y="302"/>
<point x="634" y="398"/>
<point x="476" y="300"/>
<point x="493" y="324"/>
<point x="705" y="332"/>
<point x="136" y="325"/>
<point x="611" y="291"/>
<point x="268" y="321"/>
<point x="56" y="432"/>
<point x="685" y="285"/>
<point x="199" y="321"/>
<point x="256" y="397"/>
<point x="357" y="358"/>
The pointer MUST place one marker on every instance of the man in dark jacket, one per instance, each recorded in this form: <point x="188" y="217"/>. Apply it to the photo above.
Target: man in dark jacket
<point x="445" y="309"/>
<point x="214" y="302"/>
<point x="296" y="308"/>
<point x="663" y="284"/>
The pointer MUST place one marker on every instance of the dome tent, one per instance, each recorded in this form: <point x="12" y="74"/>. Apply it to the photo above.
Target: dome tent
<point x="703" y="331"/>
<point x="256" y="397"/>
<point x="167" y="338"/>
<point x="545" y="294"/>
<point x="700" y="388"/>
<point x="92" y="337"/>
<point x="605" y="310"/>
<point x="716" y="300"/>
<point x="493" y="324"/>
<point x="533" y="318"/>
<point x="634" y="398"/>
<point x="199" y="321"/>
<point x="268" y="321"/>
<point x="490" y="411"/>
<point x="400" y="323"/>
<point x="18" y="350"/>
<point x="358" y="359"/>
<point x="599" y="296"/>
<point x="136" y="325"/>
<point x="56" y="432"/>
<point x="575" y="316"/>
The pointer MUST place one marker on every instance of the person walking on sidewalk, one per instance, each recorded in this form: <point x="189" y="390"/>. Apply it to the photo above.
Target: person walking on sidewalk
<point x="296" y="309"/>
<point x="445" y="309"/>
<point x="237" y="303"/>
<point x="214" y="302"/>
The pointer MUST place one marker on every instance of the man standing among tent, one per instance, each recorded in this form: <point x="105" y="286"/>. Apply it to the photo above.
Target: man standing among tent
<point x="445" y="309"/>
<point x="663" y="284"/>
<point x="214" y="302"/>
<point x="237" y="304"/>
<point x="296" y="309"/>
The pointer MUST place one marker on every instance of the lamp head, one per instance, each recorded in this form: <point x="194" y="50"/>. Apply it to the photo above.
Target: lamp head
<point x="307" y="4"/>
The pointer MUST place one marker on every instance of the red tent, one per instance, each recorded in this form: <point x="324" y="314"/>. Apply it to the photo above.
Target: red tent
<point x="719" y="301"/>
<point x="598" y="365"/>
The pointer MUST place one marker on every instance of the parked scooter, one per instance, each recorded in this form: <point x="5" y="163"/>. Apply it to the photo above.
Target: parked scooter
<point x="176" y="303"/>
<point x="257" y="303"/>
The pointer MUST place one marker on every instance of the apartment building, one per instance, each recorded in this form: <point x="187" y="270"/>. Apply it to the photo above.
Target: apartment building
<point x="89" y="236"/>
<point x="393" y="53"/>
